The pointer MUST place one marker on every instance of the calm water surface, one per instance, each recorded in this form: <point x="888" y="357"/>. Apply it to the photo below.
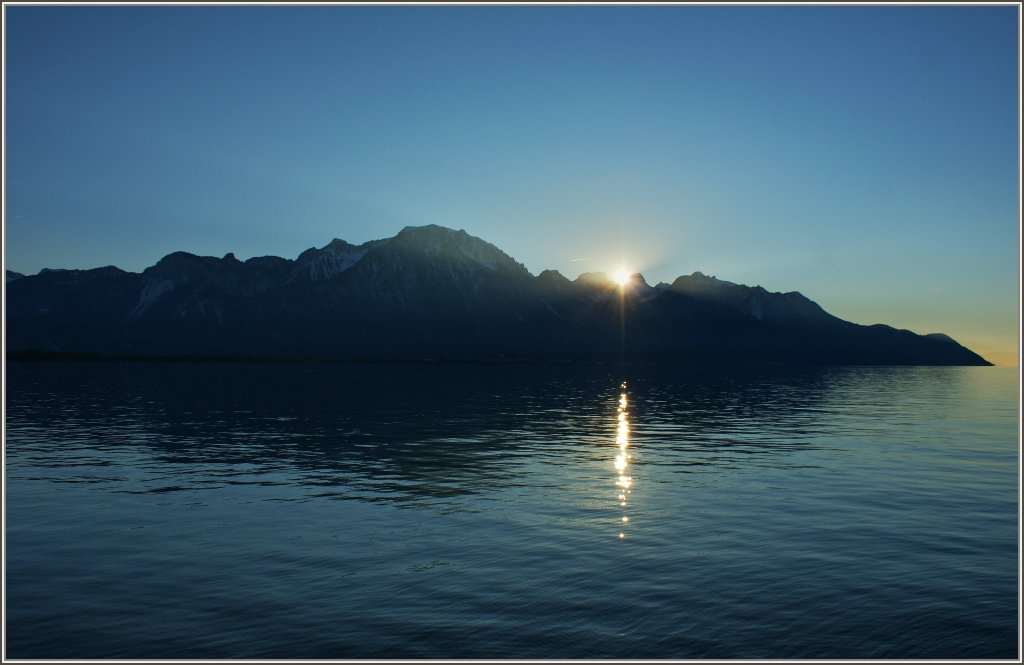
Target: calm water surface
<point x="333" y="511"/>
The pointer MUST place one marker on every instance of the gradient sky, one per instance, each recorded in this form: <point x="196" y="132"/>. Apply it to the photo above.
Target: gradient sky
<point x="865" y="156"/>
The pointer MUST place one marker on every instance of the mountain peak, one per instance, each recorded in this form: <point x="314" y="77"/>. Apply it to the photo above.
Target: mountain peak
<point x="441" y="242"/>
<point x="431" y="229"/>
<point x="700" y="277"/>
<point x="178" y="257"/>
<point x="335" y="257"/>
<point x="699" y="282"/>
<point x="337" y="245"/>
<point x="553" y="276"/>
<point x="598" y="277"/>
<point x="436" y="230"/>
<point x="180" y="267"/>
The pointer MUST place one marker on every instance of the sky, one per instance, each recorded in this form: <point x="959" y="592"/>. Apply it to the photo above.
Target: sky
<point x="866" y="156"/>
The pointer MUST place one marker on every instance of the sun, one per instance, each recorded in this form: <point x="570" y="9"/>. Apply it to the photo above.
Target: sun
<point x="621" y="277"/>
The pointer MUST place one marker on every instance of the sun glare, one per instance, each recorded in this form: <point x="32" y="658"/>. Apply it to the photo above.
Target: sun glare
<point x="621" y="277"/>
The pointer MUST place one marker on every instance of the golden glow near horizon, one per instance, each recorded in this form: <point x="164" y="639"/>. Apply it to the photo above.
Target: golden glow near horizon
<point x="621" y="276"/>
<point x="623" y="481"/>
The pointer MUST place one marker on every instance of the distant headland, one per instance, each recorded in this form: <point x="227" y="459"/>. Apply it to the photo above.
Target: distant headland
<point x="432" y="294"/>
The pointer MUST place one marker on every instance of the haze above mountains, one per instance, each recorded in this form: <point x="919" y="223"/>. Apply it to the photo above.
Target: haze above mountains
<point x="434" y="294"/>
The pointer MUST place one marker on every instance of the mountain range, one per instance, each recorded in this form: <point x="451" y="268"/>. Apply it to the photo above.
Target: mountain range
<point x="432" y="293"/>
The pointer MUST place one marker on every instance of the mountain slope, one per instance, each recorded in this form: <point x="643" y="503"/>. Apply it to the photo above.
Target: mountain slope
<point x="434" y="293"/>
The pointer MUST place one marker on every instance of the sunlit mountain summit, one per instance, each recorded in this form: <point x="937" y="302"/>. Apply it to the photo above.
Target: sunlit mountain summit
<point x="434" y="294"/>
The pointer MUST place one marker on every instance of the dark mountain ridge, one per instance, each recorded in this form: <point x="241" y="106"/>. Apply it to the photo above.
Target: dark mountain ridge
<point x="431" y="293"/>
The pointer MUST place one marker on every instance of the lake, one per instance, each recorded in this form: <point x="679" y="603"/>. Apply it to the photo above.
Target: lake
<point x="162" y="510"/>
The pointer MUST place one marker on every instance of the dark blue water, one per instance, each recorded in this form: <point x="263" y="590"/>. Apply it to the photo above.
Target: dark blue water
<point x="332" y="511"/>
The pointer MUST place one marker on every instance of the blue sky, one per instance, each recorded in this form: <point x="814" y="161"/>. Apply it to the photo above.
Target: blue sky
<point x="865" y="156"/>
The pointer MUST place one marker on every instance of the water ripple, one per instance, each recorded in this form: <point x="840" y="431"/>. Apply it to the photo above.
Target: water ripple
<point x="329" y="511"/>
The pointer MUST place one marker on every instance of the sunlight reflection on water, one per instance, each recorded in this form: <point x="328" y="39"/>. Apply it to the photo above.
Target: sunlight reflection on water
<point x="624" y="481"/>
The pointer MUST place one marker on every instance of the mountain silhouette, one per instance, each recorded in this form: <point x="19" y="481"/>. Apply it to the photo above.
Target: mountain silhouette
<point x="431" y="293"/>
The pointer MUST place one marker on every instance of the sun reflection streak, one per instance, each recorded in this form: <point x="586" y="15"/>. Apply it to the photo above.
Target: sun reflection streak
<point x="624" y="482"/>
